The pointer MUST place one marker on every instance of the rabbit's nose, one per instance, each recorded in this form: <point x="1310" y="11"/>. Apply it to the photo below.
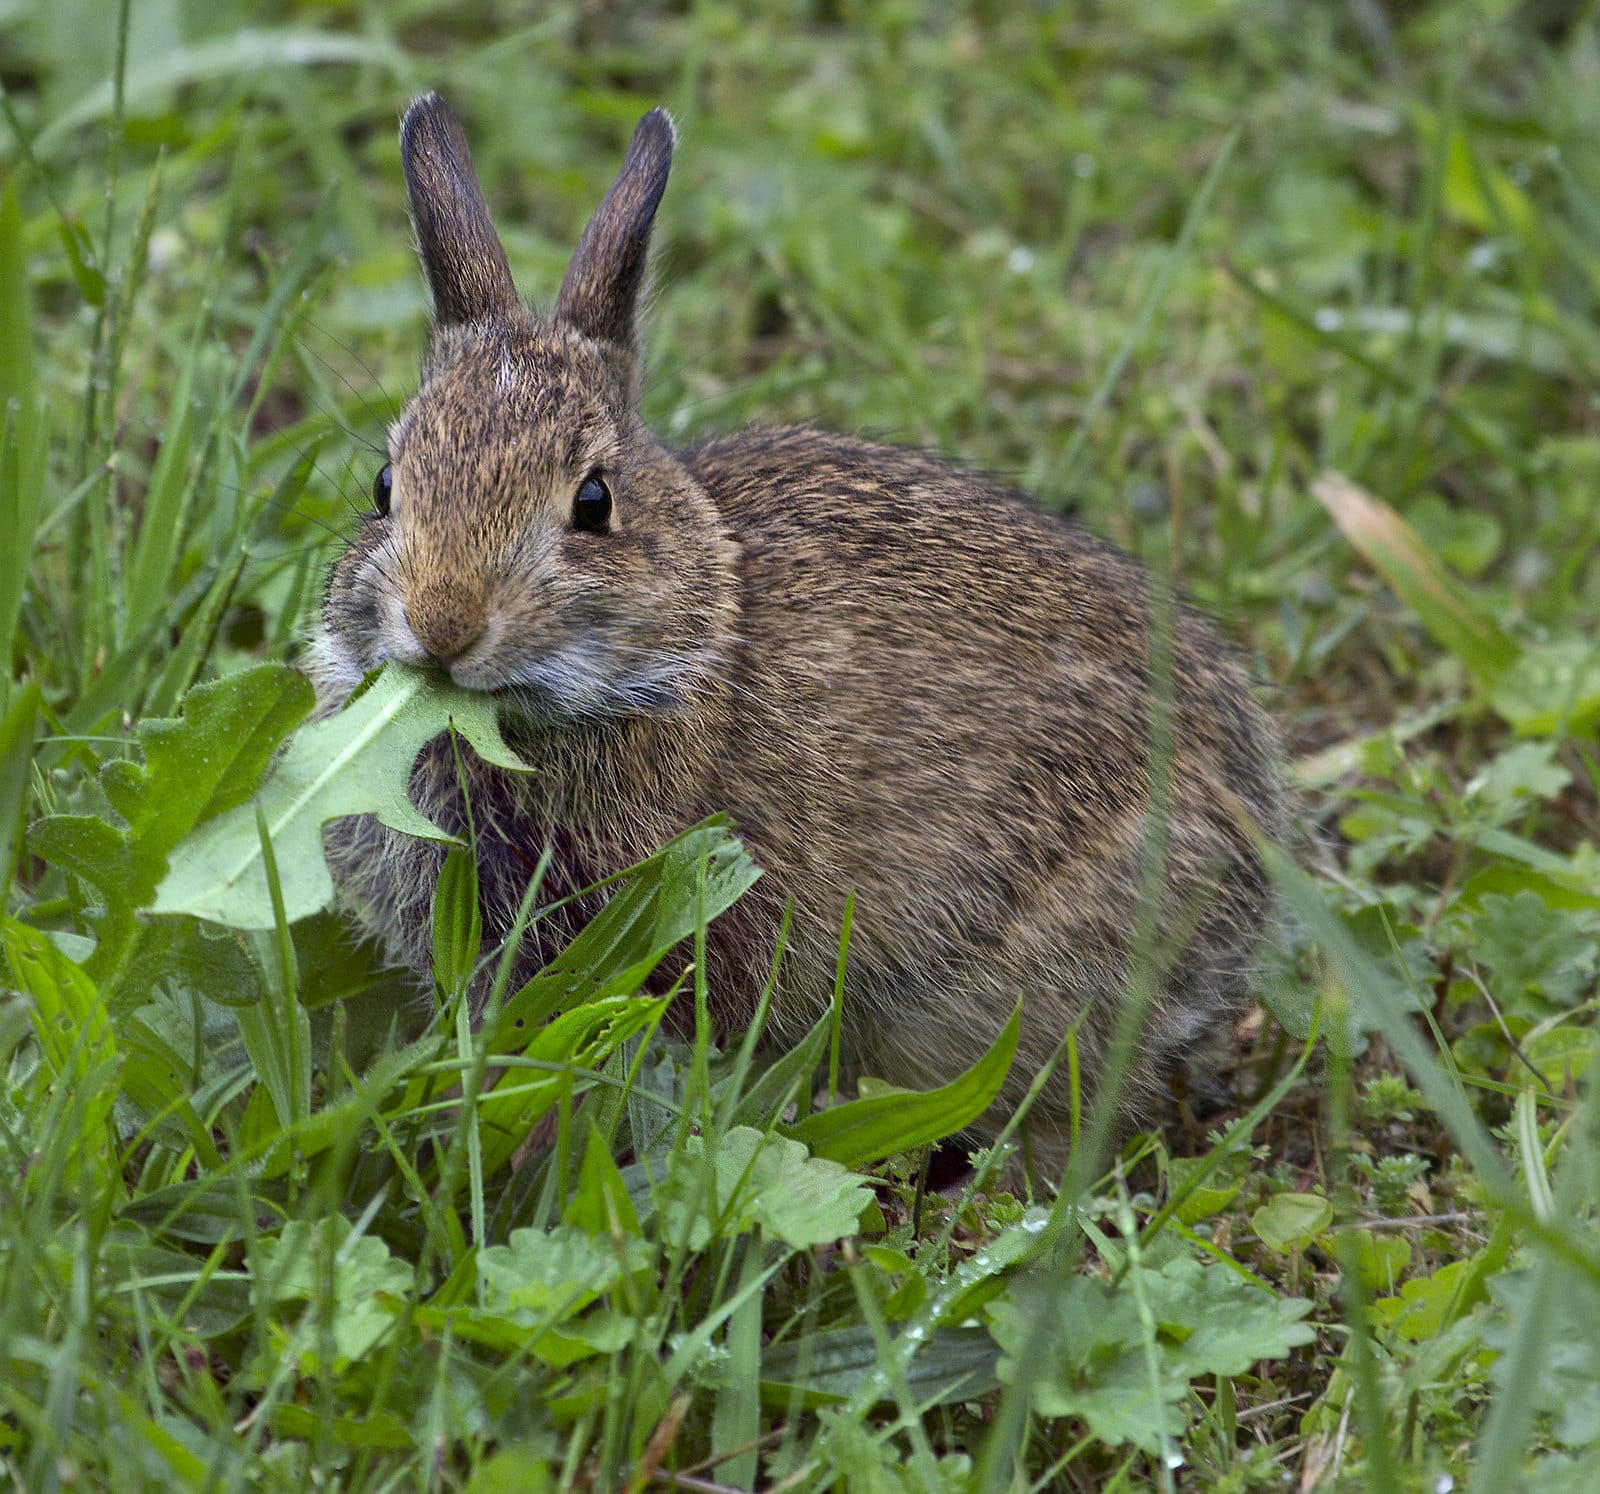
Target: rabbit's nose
<point x="446" y="631"/>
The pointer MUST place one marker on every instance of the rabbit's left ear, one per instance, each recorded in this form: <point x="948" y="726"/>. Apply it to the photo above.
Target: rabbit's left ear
<point x="600" y="293"/>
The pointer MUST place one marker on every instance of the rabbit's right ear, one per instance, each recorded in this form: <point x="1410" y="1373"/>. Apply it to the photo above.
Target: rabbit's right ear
<point x="461" y="254"/>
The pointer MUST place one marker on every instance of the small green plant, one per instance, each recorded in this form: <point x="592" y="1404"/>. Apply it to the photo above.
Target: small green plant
<point x="1390" y="1180"/>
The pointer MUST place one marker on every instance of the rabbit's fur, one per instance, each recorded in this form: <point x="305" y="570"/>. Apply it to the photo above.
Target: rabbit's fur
<point x="898" y="678"/>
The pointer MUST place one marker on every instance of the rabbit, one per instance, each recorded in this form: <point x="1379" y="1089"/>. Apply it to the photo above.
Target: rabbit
<point x="899" y="679"/>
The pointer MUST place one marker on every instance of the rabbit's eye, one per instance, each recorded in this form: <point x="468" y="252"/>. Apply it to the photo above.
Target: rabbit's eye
<point x="382" y="486"/>
<point x="591" y="509"/>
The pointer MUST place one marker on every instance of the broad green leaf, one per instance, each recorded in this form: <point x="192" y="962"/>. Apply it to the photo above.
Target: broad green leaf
<point x="764" y="1182"/>
<point x="198" y="766"/>
<point x="951" y="1364"/>
<point x="1541" y="960"/>
<point x="513" y="1470"/>
<point x="1205" y="1198"/>
<point x="206" y="1210"/>
<point x="313" y="1260"/>
<point x="534" y="1289"/>
<point x="1520" y="774"/>
<point x="358" y="762"/>
<point x="541" y="1277"/>
<point x="1214" y="1322"/>
<point x="1292" y="1220"/>
<point x="1418" y="577"/>
<point x="1426" y="1305"/>
<point x="1096" y="1365"/>
<point x="1553" y="685"/>
<point x="1381" y="1260"/>
<point x="861" y="1132"/>
<point x="168" y="1279"/>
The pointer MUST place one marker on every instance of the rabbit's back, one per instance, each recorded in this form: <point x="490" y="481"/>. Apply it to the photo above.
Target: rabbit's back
<point x="941" y="700"/>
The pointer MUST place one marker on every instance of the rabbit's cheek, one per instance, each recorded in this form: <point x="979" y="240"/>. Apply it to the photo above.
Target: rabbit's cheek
<point x="570" y="680"/>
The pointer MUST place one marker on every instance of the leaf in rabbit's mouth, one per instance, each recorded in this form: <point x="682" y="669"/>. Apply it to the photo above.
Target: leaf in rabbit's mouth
<point x="356" y="762"/>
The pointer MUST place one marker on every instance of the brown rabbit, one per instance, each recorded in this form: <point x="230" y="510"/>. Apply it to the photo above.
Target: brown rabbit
<point x="898" y="678"/>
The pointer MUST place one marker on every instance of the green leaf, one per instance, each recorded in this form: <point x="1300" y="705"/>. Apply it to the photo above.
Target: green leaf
<point x="73" y="1032"/>
<point x="1292" y="1220"/>
<point x="1523" y="773"/>
<point x="17" y="723"/>
<point x="1203" y="1199"/>
<point x="358" y="762"/>
<point x="457" y="920"/>
<point x="512" y="1470"/>
<point x="522" y="1095"/>
<point x="535" y="1289"/>
<point x="542" y="1277"/>
<point x="1541" y="960"/>
<point x="24" y="459"/>
<point x="783" y="1079"/>
<point x="1418" y="577"/>
<point x="861" y="1132"/>
<point x="1095" y="1361"/>
<point x="1381" y="1260"/>
<point x="1428" y="1306"/>
<point x="168" y="1279"/>
<point x="1553" y="685"/>
<point x="951" y="1364"/>
<point x="1466" y="539"/>
<point x="196" y="767"/>
<point x="17" y="377"/>
<point x="601" y="1205"/>
<point x="1214" y="1322"/>
<point x="1567" y="1366"/>
<point x="323" y="1263"/>
<point x="205" y="1211"/>
<point x="764" y="1182"/>
<point x="695" y="877"/>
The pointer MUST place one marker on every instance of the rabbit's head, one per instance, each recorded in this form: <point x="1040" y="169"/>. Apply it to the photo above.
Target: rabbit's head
<point x="528" y="534"/>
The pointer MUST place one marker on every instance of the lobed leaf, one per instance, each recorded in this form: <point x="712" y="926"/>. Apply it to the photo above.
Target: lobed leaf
<point x="358" y="762"/>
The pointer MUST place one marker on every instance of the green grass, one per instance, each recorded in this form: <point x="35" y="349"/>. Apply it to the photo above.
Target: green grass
<point x="1300" y="301"/>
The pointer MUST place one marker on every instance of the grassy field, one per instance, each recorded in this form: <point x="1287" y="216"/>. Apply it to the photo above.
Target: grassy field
<point x="1302" y="302"/>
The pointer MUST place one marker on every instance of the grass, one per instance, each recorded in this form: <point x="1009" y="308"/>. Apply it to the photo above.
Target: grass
<point x="1301" y="302"/>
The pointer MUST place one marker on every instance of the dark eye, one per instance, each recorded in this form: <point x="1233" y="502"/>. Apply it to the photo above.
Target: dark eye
<point x="591" y="509"/>
<point x="382" y="485"/>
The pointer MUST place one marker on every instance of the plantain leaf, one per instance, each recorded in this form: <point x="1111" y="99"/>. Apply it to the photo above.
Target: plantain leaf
<point x="1417" y="576"/>
<point x="358" y="762"/>
<point x="865" y="1131"/>
<point x="951" y="1364"/>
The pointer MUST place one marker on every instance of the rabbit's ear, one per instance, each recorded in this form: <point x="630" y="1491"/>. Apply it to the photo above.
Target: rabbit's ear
<point x="461" y="253"/>
<point x="600" y="293"/>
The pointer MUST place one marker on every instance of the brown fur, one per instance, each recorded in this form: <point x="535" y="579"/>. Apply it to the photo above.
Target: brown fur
<point x="898" y="678"/>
